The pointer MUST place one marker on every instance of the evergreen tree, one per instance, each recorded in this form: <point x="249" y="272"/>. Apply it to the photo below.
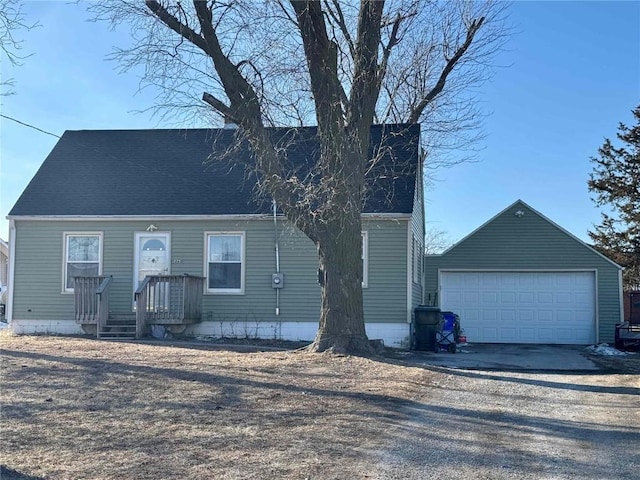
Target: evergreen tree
<point x="615" y="181"/>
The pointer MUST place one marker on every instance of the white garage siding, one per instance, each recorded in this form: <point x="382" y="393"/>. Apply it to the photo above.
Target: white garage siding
<point x="522" y="306"/>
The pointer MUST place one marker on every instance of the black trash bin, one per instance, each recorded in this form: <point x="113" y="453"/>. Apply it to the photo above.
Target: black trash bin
<point x="426" y="321"/>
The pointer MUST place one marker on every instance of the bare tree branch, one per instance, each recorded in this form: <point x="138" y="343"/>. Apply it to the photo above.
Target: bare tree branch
<point x="414" y="115"/>
<point x="12" y="20"/>
<point x="335" y="11"/>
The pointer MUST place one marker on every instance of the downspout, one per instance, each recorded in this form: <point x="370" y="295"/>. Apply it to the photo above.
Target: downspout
<point x="277" y="246"/>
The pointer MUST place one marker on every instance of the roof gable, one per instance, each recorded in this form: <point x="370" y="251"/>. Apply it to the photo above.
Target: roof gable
<point x="193" y="172"/>
<point x="526" y="227"/>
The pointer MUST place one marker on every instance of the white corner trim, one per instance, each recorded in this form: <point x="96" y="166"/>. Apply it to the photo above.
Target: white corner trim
<point x="365" y="258"/>
<point x="12" y="269"/>
<point x="409" y="289"/>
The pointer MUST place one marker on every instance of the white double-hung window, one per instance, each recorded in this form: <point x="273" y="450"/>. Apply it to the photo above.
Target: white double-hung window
<point x="225" y="262"/>
<point x="82" y="257"/>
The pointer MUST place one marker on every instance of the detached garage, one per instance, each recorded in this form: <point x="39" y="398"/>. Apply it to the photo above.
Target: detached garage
<point x="520" y="278"/>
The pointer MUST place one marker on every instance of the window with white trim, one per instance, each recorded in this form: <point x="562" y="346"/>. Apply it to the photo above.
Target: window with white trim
<point x="82" y="257"/>
<point x="225" y="262"/>
<point x="365" y="259"/>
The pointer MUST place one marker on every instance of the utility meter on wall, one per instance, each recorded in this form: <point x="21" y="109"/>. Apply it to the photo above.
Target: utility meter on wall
<point x="277" y="280"/>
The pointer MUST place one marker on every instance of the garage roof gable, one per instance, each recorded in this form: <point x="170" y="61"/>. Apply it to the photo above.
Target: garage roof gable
<point x="514" y="219"/>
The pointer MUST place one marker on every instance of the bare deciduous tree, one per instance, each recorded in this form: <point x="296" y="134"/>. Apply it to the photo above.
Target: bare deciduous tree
<point x="12" y="20"/>
<point x="341" y="65"/>
<point x="436" y="241"/>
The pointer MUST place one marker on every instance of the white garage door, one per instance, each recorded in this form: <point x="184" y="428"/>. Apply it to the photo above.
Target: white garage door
<point x="522" y="307"/>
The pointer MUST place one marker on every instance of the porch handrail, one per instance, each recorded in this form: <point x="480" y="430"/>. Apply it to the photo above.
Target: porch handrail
<point x="141" y="298"/>
<point x="168" y="299"/>
<point x="142" y="286"/>
<point x="102" y="292"/>
<point x="104" y="285"/>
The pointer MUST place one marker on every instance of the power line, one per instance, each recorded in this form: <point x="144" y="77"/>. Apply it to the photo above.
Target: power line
<point x="30" y="126"/>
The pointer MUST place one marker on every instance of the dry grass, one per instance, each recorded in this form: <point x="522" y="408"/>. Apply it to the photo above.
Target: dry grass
<point x="80" y="408"/>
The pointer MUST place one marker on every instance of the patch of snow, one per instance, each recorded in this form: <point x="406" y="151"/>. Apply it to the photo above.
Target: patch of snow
<point x="606" y="351"/>
<point x="3" y="325"/>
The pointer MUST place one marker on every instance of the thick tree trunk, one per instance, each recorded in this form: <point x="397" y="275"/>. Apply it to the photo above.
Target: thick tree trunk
<point x="339" y="241"/>
<point x="341" y="328"/>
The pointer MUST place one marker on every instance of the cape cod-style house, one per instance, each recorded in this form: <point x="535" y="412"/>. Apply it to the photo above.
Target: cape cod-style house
<point x="123" y="229"/>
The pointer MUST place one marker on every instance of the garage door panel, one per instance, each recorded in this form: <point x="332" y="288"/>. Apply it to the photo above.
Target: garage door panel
<point x="508" y="297"/>
<point x="471" y="297"/>
<point x="544" y="315"/>
<point x="489" y="298"/>
<point x="452" y="297"/>
<point x="471" y="281"/>
<point x="545" y="297"/>
<point x="565" y="335"/>
<point x="522" y="307"/>
<point x="490" y="280"/>
<point x="489" y="315"/>
<point x="582" y="299"/>
<point x="526" y="297"/>
<point x="491" y="334"/>
<point x="545" y="335"/>
<point x="582" y="336"/>
<point x="508" y="315"/>
<point x="509" y="334"/>
<point x="527" y="335"/>
<point x="584" y="279"/>
<point x="527" y="281"/>
<point x="545" y="281"/>
<point x="472" y="332"/>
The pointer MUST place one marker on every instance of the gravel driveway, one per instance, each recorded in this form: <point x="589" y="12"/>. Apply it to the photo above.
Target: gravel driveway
<point x="505" y="425"/>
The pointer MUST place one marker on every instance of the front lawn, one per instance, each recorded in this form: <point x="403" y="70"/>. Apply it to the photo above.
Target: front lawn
<point x="81" y="408"/>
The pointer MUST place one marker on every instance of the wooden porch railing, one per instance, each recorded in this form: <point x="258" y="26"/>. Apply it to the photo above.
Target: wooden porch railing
<point x="103" y="303"/>
<point x="92" y="299"/>
<point x="168" y="300"/>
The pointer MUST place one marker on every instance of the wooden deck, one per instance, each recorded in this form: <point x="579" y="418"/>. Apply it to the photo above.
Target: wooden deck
<point x="159" y="300"/>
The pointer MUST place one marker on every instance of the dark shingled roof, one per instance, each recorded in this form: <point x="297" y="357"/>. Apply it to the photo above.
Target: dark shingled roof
<point x="177" y="172"/>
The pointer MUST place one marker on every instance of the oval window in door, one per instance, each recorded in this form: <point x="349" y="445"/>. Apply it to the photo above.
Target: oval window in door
<point x="153" y="244"/>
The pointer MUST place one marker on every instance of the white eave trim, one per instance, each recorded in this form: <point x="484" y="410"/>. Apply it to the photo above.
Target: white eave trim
<point x="172" y="218"/>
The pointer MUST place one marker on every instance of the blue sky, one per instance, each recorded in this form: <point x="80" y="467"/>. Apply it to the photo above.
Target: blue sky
<point x="572" y="72"/>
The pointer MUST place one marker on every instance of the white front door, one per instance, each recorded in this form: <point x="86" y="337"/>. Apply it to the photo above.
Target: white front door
<point x="152" y="255"/>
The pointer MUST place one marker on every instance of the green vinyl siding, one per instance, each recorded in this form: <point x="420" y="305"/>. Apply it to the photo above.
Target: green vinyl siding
<point x="385" y="298"/>
<point x="418" y="232"/>
<point x="39" y="261"/>
<point x="531" y="242"/>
